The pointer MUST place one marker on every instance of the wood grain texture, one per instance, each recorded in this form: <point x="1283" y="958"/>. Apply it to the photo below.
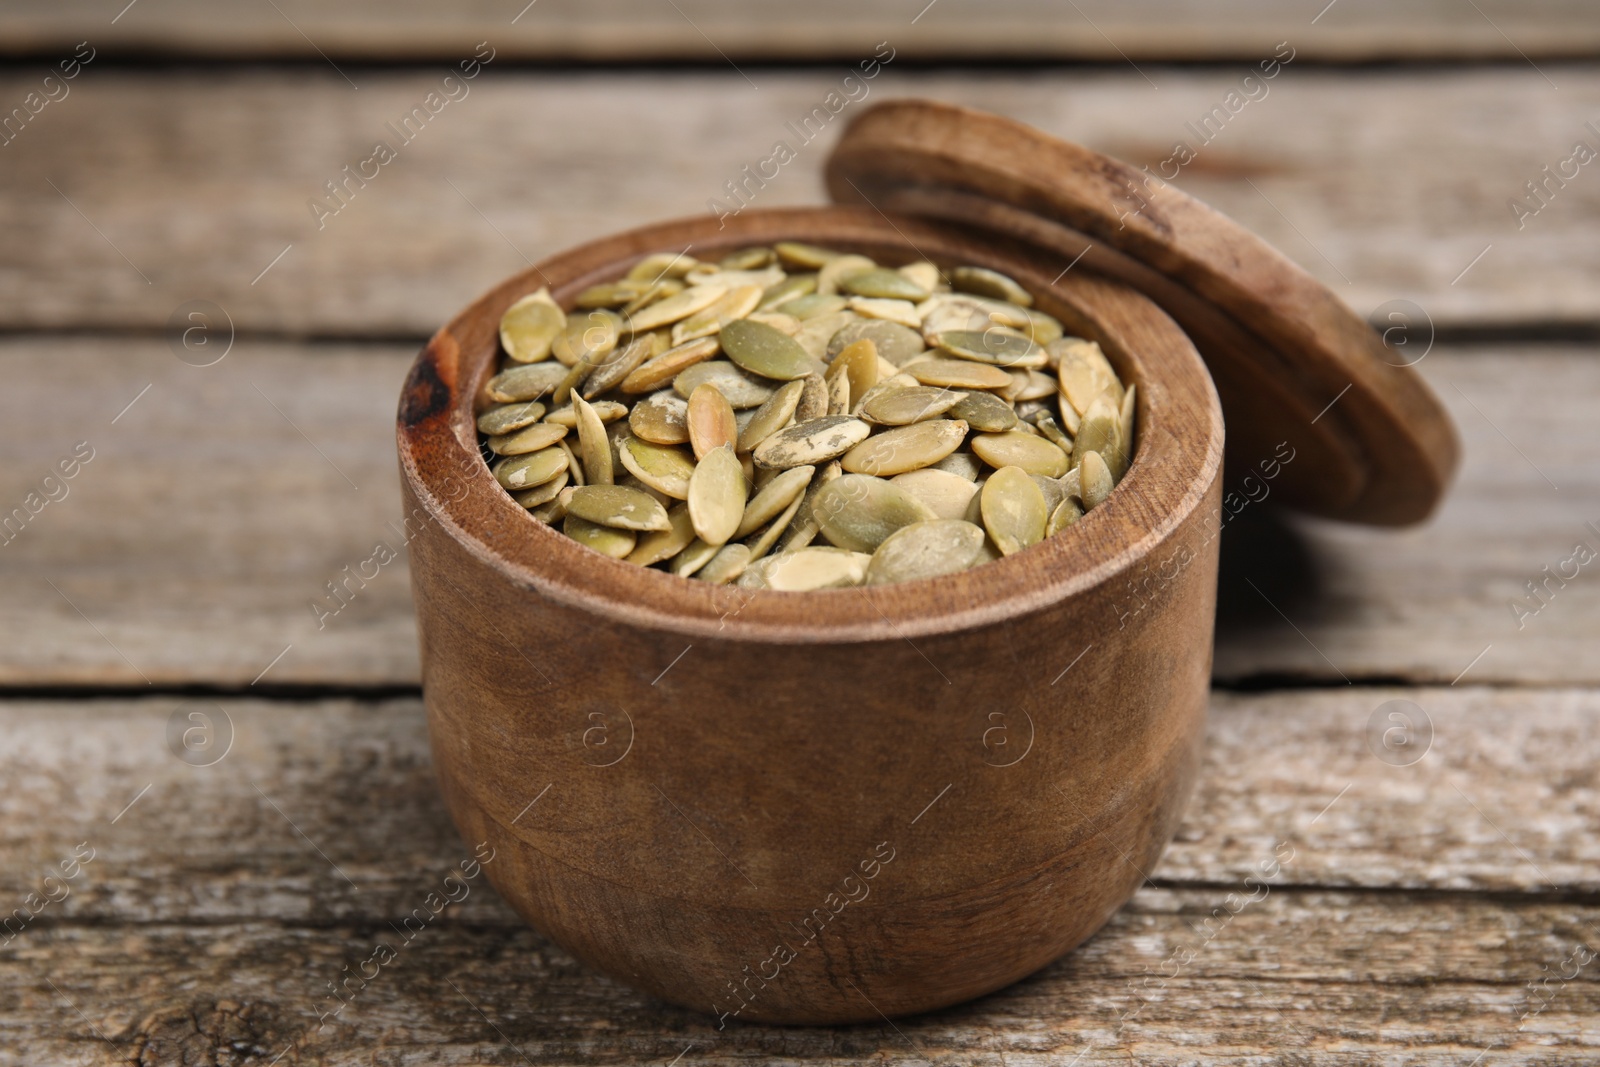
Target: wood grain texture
<point x="1388" y="186"/>
<point x="705" y="31"/>
<point x="207" y="526"/>
<point x="221" y="886"/>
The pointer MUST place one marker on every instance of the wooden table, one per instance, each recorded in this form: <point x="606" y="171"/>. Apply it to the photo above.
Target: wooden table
<point x="1437" y="899"/>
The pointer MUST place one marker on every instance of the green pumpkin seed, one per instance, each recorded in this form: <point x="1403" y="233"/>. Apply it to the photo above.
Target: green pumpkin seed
<point x="589" y="338"/>
<point x="1027" y="384"/>
<point x="811" y="442"/>
<point x="857" y="511"/>
<point x="530" y="326"/>
<point x="717" y="492"/>
<point x="957" y="373"/>
<point x="771" y="416"/>
<point x="894" y="342"/>
<point x="623" y="361"/>
<point x="808" y="257"/>
<point x="1017" y="449"/>
<point x="1096" y="480"/>
<point x="791" y="288"/>
<point x="996" y="345"/>
<point x="991" y="283"/>
<point x="1013" y="510"/>
<point x="607" y="540"/>
<point x="694" y="556"/>
<point x="508" y="417"/>
<point x="1124" y="451"/>
<point x="533" y="438"/>
<point x="662" y="265"/>
<point x="612" y="294"/>
<point x="662" y="467"/>
<point x="831" y="273"/>
<point x="673" y="309"/>
<point x="947" y="495"/>
<point x="963" y="463"/>
<point x="883" y="284"/>
<point x="1052" y="431"/>
<point x="784" y="489"/>
<point x="657" y="291"/>
<point x="525" y="382"/>
<point x="984" y="412"/>
<point x="760" y="349"/>
<point x="593" y="442"/>
<point x="1066" y="513"/>
<point x="906" y="448"/>
<point x="1098" y="430"/>
<point x="618" y="506"/>
<point x="818" y="331"/>
<point x="804" y="529"/>
<point x="525" y="472"/>
<point x="741" y="389"/>
<point x="748" y="258"/>
<point x="783" y="323"/>
<point x="925" y="550"/>
<point x="710" y="421"/>
<point x="762" y="542"/>
<point x="542" y="494"/>
<point x="814" y="305"/>
<point x="722" y="568"/>
<point x="902" y="407"/>
<point x="658" y="545"/>
<point x="573" y="466"/>
<point x="661" y="418"/>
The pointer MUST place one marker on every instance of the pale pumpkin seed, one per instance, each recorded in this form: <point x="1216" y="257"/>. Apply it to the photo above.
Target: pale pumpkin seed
<point x="791" y="288"/>
<point x="740" y="388"/>
<point x="906" y="448"/>
<point x="606" y="411"/>
<point x="623" y="361"/>
<point x="1066" y="513"/>
<point x="1098" y="431"/>
<point x="771" y="416"/>
<point x="593" y="443"/>
<point x="760" y="349"/>
<point x="784" y="324"/>
<point x="508" y="417"/>
<point x="1016" y="449"/>
<point x="573" y="466"/>
<point x="883" y="284"/>
<point x="831" y="273"/>
<point x="525" y="472"/>
<point x="947" y="495"/>
<point x="763" y="541"/>
<point x="924" y="274"/>
<point x="818" y="331"/>
<point x="857" y="511"/>
<point x="733" y="306"/>
<point x="691" y="301"/>
<point x="894" y="342"/>
<point x="657" y="372"/>
<point x="809" y="569"/>
<point x="662" y="467"/>
<point x="717" y="492"/>
<point x="797" y="254"/>
<point x="607" y="540"/>
<point x="858" y="361"/>
<point x="618" y="506"/>
<point x="811" y="442"/>
<point x="661" y="418"/>
<point x="710" y="421"/>
<point x="748" y="258"/>
<point x="996" y="345"/>
<point x="533" y="438"/>
<point x="658" y="545"/>
<point x="784" y="489"/>
<point x="1013" y="510"/>
<point x="838" y="394"/>
<point x="958" y="374"/>
<point x="1096" y="480"/>
<point x="663" y="265"/>
<point x="813" y="403"/>
<point x="542" y="494"/>
<point x="722" y="568"/>
<point x="984" y="412"/>
<point x="589" y="338"/>
<point x="1084" y="372"/>
<point x="925" y="550"/>
<point x="900" y="312"/>
<point x="525" y="382"/>
<point x="990" y="283"/>
<point x="804" y="529"/>
<point x="814" y="305"/>
<point x="530" y="326"/>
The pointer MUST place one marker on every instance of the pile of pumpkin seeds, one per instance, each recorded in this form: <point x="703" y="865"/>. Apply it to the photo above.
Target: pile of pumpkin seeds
<point x="796" y="418"/>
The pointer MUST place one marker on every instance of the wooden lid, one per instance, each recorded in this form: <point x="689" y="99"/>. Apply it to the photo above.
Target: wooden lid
<point x="1299" y="373"/>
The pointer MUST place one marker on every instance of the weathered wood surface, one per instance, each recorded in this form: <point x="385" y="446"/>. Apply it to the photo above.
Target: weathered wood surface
<point x="217" y="508"/>
<point x="190" y="185"/>
<point x="206" y="892"/>
<point x="707" y="31"/>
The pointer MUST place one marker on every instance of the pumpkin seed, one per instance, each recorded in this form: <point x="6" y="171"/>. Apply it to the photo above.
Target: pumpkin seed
<point x="813" y="402"/>
<point x="508" y="417"/>
<point x="1084" y="371"/>
<point x="883" y="284"/>
<point x="760" y="349"/>
<point x="542" y="494"/>
<point x="734" y="305"/>
<point x="740" y="388"/>
<point x="717" y="492"/>
<point x="1066" y="513"/>
<point x="964" y="311"/>
<point x="722" y="568"/>
<point x="984" y="412"/>
<point x="906" y="448"/>
<point x="996" y="345"/>
<point x="1124" y="453"/>
<point x="607" y="540"/>
<point x="588" y="338"/>
<point x="901" y="407"/>
<point x="710" y="421"/>
<point x="947" y="495"/>
<point x="784" y="324"/>
<point x="809" y="569"/>
<point x="605" y="410"/>
<point x="857" y="511"/>
<point x="530" y="326"/>
<point x="957" y="373"/>
<point x="1043" y="329"/>
<point x="1013" y="510"/>
<point x="762" y="278"/>
<point x="658" y="290"/>
<point x="815" y="305"/>
<point x="657" y="372"/>
<point x="811" y="442"/>
<point x="658" y="545"/>
<point x="593" y="443"/>
<point x="673" y="309"/>
<point x="1016" y="449"/>
<point x="858" y="361"/>
<point x="796" y="254"/>
<point x="618" y="506"/>
<point x="573" y="466"/>
<point x="1096" y="480"/>
<point x="894" y="342"/>
<point x="775" y="496"/>
<point x="1098" y="431"/>
<point x="623" y="361"/>
<point x="525" y="382"/>
<point x="804" y="529"/>
<point x="763" y="542"/>
<point x="963" y="463"/>
<point x="663" y="265"/>
<point x="831" y="273"/>
<point x="1052" y="431"/>
<point x="1027" y="384"/>
<point x="900" y="312"/>
<point x="612" y="294"/>
<point x="661" y="418"/>
<point x="694" y="556"/>
<point x="533" y="438"/>
<point x="771" y="416"/>
<point x="838" y="394"/>
<point x="792" y="287"/>
<point x="990" y="283"/>
<point x="817" y="331"/>
<point x="925" y="550"/>
<point x="748" y="258"/>
<point x="924" y="274"/>
<point x="525" y="472"/>
<point x="662" y="467"/>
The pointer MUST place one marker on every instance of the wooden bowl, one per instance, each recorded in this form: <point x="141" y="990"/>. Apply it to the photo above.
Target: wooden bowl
<point x="831" y="806"/>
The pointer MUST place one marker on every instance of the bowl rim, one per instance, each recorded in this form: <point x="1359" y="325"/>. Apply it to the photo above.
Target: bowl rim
<point x="1177" y="458"/>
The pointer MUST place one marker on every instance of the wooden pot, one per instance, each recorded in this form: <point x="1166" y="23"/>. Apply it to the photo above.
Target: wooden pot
<point x="831" y="806"/>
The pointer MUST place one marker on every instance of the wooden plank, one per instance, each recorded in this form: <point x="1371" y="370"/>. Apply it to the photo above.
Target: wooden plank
<point x="327" y="811"/>
<point x="216" y="897"/>
<point x="193" y="546"/>
<point x="1393" y="184"/>
<point x="1319" y="979"/>
<point x="704" y="31"/>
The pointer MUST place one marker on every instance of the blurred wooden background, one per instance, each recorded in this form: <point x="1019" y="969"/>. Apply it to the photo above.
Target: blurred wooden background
<point x="1442" y="911"/>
